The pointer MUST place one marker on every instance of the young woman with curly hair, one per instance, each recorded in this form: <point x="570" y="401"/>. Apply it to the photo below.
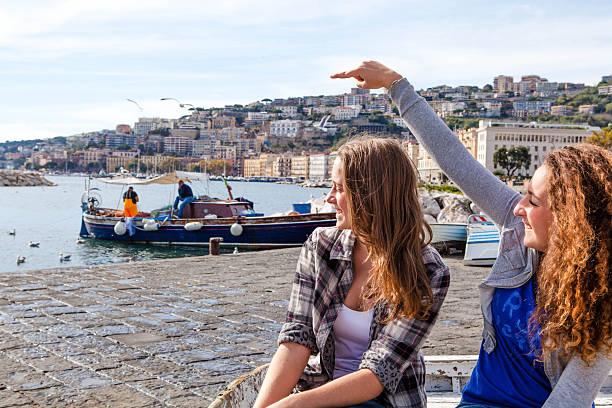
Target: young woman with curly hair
<point x="365" y="295"/>
<point x="547" y="303"/>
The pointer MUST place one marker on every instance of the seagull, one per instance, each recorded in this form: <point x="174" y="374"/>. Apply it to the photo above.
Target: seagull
<point x="34" y="244"/>
<point x="235" y="250"/>
<point x="20" y="259"/>
<point x="12" y="232"/>
<point x="80" y="240"/>
<point x="64" y="258"/>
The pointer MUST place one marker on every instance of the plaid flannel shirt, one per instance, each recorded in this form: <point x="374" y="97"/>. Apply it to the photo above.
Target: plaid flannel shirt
<point x="322" y="281"/>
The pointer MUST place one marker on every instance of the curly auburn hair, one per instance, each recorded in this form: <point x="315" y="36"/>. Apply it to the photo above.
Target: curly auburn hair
<point x="574" y="302"/>
<point x="381" y="183"/>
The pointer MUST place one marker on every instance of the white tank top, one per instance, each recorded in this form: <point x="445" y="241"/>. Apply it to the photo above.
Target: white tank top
<point x="351" y="338"/>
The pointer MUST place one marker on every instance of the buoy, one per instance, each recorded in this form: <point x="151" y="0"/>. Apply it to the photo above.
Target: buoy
<point x="193" y="226"/>
<point x="150" y="226"/>
<point x="236" y="229"/>
<point x="120" y="228"/>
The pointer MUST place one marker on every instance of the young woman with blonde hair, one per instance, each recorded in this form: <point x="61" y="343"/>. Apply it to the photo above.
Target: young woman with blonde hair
<point x="366" y="293"/>
<point x="547" y="304"/>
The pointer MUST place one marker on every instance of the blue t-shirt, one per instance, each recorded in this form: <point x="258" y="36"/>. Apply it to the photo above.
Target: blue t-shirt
<point x="510" y="376"/>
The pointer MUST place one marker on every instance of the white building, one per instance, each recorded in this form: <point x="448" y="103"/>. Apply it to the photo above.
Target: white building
<point x="285" y="128"/>
<point x="176" y="144"/>
<point x="539" y="138"/>
<point x="346" y="113"/>
<point x="318" y="167"/>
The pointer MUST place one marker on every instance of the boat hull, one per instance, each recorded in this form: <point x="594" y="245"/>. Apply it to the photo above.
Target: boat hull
<point x="256" y="234"/>
<point x="448" y="232"/>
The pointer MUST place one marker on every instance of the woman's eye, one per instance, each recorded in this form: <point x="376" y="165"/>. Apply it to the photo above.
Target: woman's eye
<point x="532" y="203"/>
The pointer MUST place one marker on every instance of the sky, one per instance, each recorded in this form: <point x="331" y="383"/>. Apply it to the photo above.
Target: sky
<point x="69" y="66"/>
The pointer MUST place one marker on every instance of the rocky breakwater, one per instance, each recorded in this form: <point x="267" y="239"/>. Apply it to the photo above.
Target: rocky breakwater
<point x="443" y="208"/>
<point x="16" y="178"/>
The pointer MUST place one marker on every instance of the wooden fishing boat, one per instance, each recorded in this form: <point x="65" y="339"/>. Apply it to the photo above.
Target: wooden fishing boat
<point x="222" y="220"/>
<point x="232" y="220"/>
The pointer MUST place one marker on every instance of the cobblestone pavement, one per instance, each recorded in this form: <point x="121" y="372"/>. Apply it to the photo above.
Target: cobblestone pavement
<point x="166" y="333"/>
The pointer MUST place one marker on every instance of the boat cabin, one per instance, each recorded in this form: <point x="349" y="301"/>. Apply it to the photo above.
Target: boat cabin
<point x="215" y="209"/>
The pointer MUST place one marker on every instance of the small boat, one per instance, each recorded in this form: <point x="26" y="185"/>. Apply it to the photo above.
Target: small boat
<point x="233" y="220"/>
<point x="451" y="232"/>
<point x="482" y="243"/>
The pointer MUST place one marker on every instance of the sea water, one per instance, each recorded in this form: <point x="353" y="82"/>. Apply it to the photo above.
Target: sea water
<point x="51" y="216"/>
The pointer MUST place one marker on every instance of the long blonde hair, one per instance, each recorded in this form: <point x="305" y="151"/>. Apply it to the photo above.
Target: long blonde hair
<point x="381" y="184"/>
<point x="574" y="301"/>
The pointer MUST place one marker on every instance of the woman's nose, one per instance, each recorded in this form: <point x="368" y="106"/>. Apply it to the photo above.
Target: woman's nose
<point x="519" y="210"/>
<point x="330" y="197"/>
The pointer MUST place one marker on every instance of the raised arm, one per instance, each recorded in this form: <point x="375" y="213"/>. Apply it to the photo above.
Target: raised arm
<point x="487" y="191"/>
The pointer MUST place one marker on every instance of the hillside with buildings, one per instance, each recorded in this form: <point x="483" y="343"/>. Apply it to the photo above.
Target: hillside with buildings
<point x="295" y="137"/>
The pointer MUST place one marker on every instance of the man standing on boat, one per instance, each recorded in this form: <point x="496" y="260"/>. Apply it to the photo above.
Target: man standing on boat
<point x="185" y="195"/>
<point x="130" y="209"/>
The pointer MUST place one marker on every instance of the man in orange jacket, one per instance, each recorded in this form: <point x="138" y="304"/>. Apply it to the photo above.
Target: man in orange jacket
<point x="130" y="209"/>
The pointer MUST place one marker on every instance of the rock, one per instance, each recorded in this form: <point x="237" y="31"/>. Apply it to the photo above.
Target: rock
<point x="429" y="205"/>
<point x="457" y="212"/>
<point x="16" y="178"/>
<point x="429" y="219"/>
<point x="475" y="209"/>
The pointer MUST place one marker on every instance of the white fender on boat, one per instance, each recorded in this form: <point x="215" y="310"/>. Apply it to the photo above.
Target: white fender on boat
<point x="193" y="226"/>
<point x="148" y="221"/>
<point x="236" y="229"/>
<point x="150" y="226"/>
<point x="120" y="228"/>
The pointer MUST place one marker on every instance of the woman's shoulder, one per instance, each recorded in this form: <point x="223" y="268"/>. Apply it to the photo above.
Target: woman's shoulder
<point x="435" y="265"/>
<point x="326" y="238"/>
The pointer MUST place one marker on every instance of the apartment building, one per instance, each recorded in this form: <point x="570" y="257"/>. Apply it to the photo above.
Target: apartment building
<point x="605" y="90"/>
<point x="221" y="122"/>
<point x="262" y="166"/>
<point x="83" y="157"/>
<point x="539" y="138"/>
<point x="524" y="108"/>
<point x="561" y="110"/>
<point x="318" y="167"/>
<point x="188" y="132"/>
<point x="354" y="99"/>
<point x="502" y="83"/>
<point x="281" y="166"/>
<point x="152" y="162"/>
<point x="176" y="144"/>
<point x="299" y="166"/>
<point x="346" y="113"/>
<point x="587" y="109"/>
<point x="285" y="128"/>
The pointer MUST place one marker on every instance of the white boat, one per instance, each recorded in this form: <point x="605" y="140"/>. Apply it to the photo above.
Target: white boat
<point x="482" y="245"/>
<point x="452" y="232"/>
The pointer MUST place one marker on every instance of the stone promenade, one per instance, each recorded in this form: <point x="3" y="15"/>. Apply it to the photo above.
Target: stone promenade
<point x="167" y="333"/>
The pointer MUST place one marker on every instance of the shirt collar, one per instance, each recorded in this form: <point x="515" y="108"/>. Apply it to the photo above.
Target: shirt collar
<point x="342" y="248"/>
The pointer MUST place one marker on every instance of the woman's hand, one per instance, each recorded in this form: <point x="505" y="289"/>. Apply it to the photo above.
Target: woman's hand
<point x="370" y="75"/>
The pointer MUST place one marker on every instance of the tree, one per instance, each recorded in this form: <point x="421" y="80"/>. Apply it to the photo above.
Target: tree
<point x="170" y="164"/>
<point x="487" y="88"/>
<point x="499" y="173"/>
<point x="602" y="138"/>
<point x="512" y="160"/>
<point x="216" y="167"/>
